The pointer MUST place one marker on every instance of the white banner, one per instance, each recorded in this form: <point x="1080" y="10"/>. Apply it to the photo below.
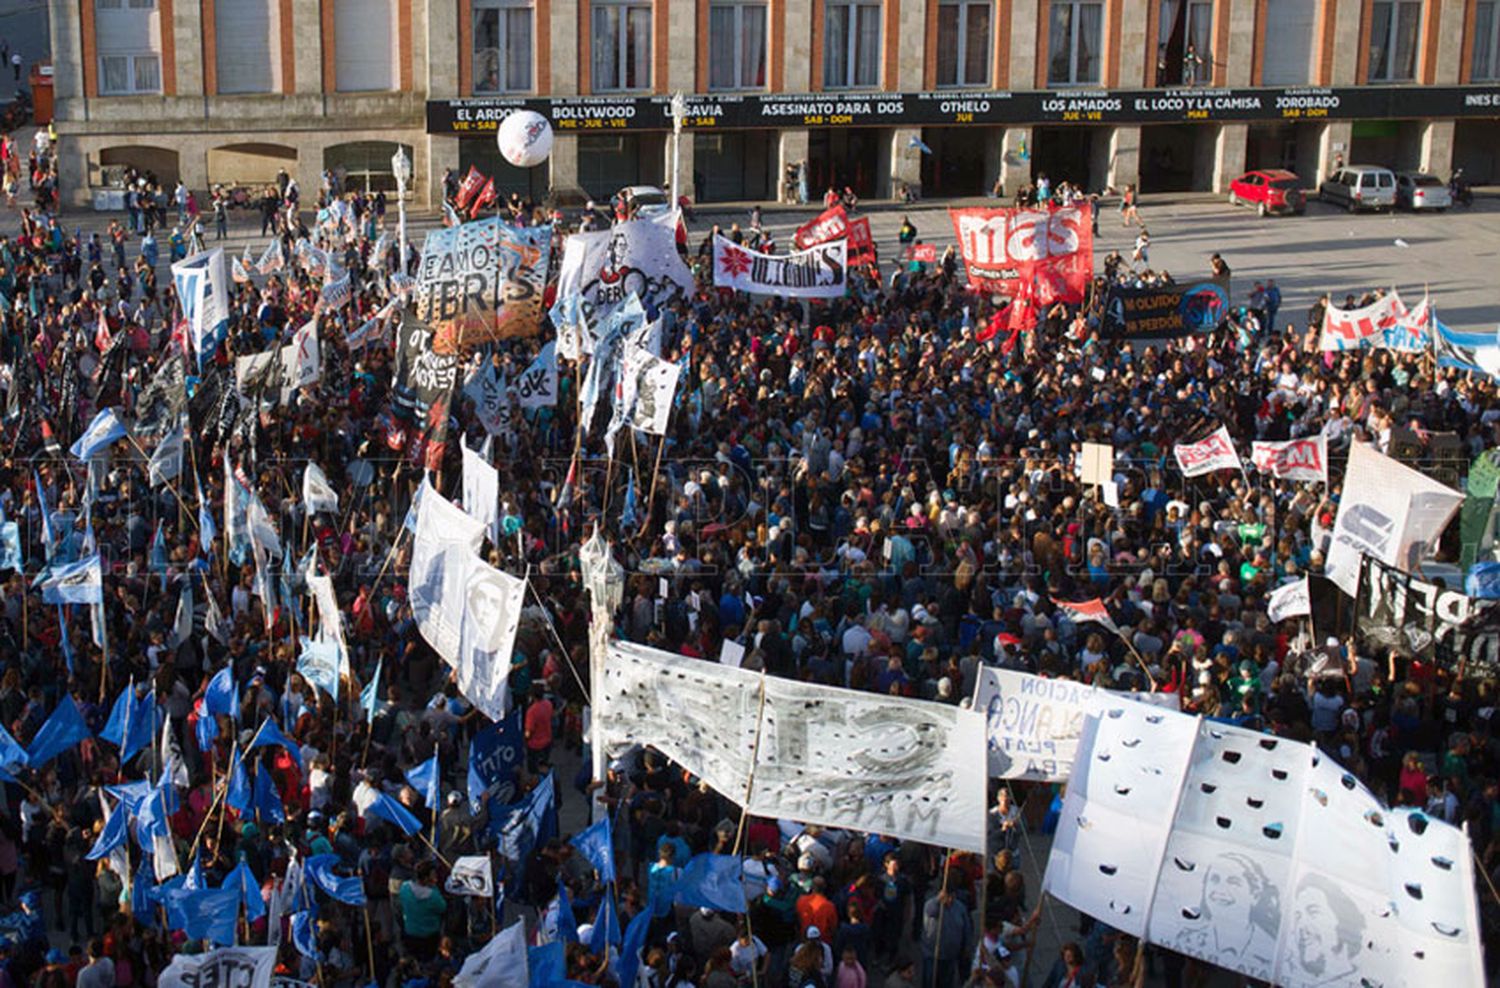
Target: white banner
<point x="638" y="256"/>
<point x="1355" y="329"/>
<point x="202" y="286"/>
<point x="487" y="390"/>
<point x="1297" y="459"/>
<point x="301" y="360"/>
<point x="1208" y="455"/>
<point x="655" y="388"/>
<point x="491" y="613"/>
<point x="1260" y="855"/>
<point x="481" y="490"/>
<point x="818" y="272"/>
<point x="537" y="385"/>
<point x="318" y="494"/>
<point x="1033" y="725"/>
<point x="1388" y="511"/>
<point x="242" y="967"/>
<point x="471" y="876"/>
<point x="445" y="540"/>
<point x="501" y="963"/>
<point x="835" y="757"/>
<point x="1289" y="601"/>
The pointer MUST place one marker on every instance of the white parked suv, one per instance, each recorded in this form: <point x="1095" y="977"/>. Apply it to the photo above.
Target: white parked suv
<point x="1358" y="187"/>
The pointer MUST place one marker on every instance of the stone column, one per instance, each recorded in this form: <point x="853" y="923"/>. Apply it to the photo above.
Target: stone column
<point x="1229" y="154"/>
<point x="563" y="48"/>
<point x="562" y="165"/>
<point x="67" y="58"/>
<point x="1015" y="170"/>
<point x="906" y="162"/>
<point x="797" y="57"/>
<point x="1346" y="41"/>
<point x="307" y="47"/>
<point x="1437" y="147"/>
<point x="1241" y="52"/>
<point x="791" y="149"/>
<point x="912" y="17"/>
<point x="187" y="33"/>
<point x="684" y="165"/>
<point x="1133" y="20"/>
<point x="1023" y="45"/>
<point x="1335" y="138"/>
<point x="1124" y="165"/>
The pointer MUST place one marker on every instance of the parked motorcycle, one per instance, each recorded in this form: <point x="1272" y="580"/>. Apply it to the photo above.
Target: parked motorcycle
<point x="1459" y="189"/>
<point x="17" y="113"/>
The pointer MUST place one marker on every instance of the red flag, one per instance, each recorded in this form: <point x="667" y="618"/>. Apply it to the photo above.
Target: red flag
<point x="102" y="336"/>
<point x="1081" y="611"/>
<point x="992" y="328"/>
<point x="484" y="200"/>
<point x="468" y="187"/>
<point x="861" y="244"/>
<point x="830" y="224"/>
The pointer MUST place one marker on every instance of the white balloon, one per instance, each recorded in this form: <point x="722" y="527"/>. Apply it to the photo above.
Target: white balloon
<point x="525" y="138"/>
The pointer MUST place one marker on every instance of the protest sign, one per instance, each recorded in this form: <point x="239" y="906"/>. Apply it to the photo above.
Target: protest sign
<point x="829" y="225"/>
<point x="1006" y="250"/>
<point x="1354" y="329"/>
<point x="1395" y="610"/>
<point x="243" y="967"/>
<point x="819" y="272"/>
<point x="1216" y="452"/>
<point x="1163" y="311"/>
<point x="482" y="281"/>
<point x="637" y="257"/>
<point x="424" y="380"/>
<point x="1296" y="459"/>
<point x="835" y="757"/>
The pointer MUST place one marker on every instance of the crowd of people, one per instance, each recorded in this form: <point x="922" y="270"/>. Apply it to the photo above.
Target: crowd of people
<point x="861" y="493"/>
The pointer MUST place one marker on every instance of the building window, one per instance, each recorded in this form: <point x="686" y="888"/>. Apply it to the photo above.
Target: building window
<point x="1486" y="63"/>
<point x="1073" y="43"/>
<point x="129" y="39"/>
<point x="622" y="45"/>
<point x="737" y="46"/>
<point x="1188" y="61"/>
<point x="247" y="49"/>
<point x="364" y="43"/>
<point x="1394" y="26"/>
<point x="963" y="48"/>
<point x="502" y="46"/>
<point x="851" y="45"/>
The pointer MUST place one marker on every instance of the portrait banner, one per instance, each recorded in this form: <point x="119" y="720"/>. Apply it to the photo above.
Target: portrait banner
<point x="604" y="268"/>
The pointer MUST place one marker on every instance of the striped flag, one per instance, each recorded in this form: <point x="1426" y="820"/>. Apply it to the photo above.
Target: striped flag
<point x="1081" y="611"/>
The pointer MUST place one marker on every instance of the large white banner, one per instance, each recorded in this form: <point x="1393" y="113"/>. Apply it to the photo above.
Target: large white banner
<point x="1208" y="455"/>
<point x="1355" y="329"/>
<point x="638" y="256"/>
<point x="1033" y="725"/>
<point x="202" y="286"/>
<point x="835" y="757"/>
<point x="1260" y="855"/>
<point x="1388" y="511"/>
<point x="241" y="967"/>
<point x="818" y="272"/>
<point x="481" y="490"/>
<point x="446" y="539"/>
<point x="1296" y="459"/>
<point x="490" y="395"/>
<point x="491" y="613"/>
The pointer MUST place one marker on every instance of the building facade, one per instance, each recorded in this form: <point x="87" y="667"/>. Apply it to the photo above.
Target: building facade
<point x="948" y="97"/>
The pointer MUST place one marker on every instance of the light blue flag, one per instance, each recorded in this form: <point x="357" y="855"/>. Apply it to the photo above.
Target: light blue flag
<point x="143" y="893"/>
<point x="494" y="759"/>
<point x="270" y="734"/>
<point x="63" y="730"/>
<point x="12" y="754"/>
<point x="243" y="881"/>
<point x="105" y="429"/>
<point x="390" y="810"/>
<point x="630" y="949"/>
<point x="207" y="530"/>
<point x="132" y="794"/>
<point x="597" y="846"/>
<point x="304" y="937"/>
<point x="132" y="722"/>
<point x="369" y="697"/>
<point x="239" y="796"/>
<point x="319" y="665"/>
<point x="75" y="583"/>
<point x="426" y="779"/>
<point x="48" y="537"/>
<point x="567" y="923"/>
<point x="606" y="931"/>
<point x="11" y="556"/>
<point x="548" y="964"/>
<point x="532" y="821"/>
<point x="113" y="834"/>
<point x="319" y="868"/>
<point x="204" y="914"/>
<point x="222" y="696"/>
<point x="268" y="806"/>
<point x="712" y="881"/>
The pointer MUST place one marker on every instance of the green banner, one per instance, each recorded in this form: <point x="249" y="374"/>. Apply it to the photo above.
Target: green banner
<point x="1479" y="500"/>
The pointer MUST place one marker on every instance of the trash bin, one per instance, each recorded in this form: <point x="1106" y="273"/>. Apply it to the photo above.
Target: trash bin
<point x="41" y="93"/>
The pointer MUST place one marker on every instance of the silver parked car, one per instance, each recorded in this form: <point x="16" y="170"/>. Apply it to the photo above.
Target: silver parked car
<point x="1360" y="187"/>
<point x="1419" y="190"/>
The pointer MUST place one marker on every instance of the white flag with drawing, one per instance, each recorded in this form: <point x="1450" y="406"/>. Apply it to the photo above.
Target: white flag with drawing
<point x="471" y="876"/>
<point x="1289" y="601"/>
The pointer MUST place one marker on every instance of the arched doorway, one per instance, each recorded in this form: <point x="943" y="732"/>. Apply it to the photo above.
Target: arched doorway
<point x="158" y="162"/>
<point x="249" y="164"/>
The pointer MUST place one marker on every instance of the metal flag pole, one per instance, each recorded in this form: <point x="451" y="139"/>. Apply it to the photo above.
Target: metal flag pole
<point x="401" y="169"/>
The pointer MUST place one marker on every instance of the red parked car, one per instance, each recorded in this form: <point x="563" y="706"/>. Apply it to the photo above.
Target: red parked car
<point x="1272" y="190"/>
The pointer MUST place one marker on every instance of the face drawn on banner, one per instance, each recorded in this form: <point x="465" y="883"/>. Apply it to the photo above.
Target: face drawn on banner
<point x="1033" y="724"/>
<point x="492" y="602"/>
<point x="1117" y="812"/>
<point x="482" y="281"/>
<point x="638" y="257"/>
<point x="1229" y="858"/>
<point x="655" y="386"/>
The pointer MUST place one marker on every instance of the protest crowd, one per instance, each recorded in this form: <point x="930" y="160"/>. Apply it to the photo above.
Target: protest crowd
<point x="224" y="724"/>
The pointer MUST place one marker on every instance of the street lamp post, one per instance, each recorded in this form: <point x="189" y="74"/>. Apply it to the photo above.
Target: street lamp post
<point x="679" y="113"/>
<point x="401" y="168"/>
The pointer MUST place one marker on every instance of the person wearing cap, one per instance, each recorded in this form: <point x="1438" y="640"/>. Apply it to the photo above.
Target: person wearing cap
<point x="815" y="909"/>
